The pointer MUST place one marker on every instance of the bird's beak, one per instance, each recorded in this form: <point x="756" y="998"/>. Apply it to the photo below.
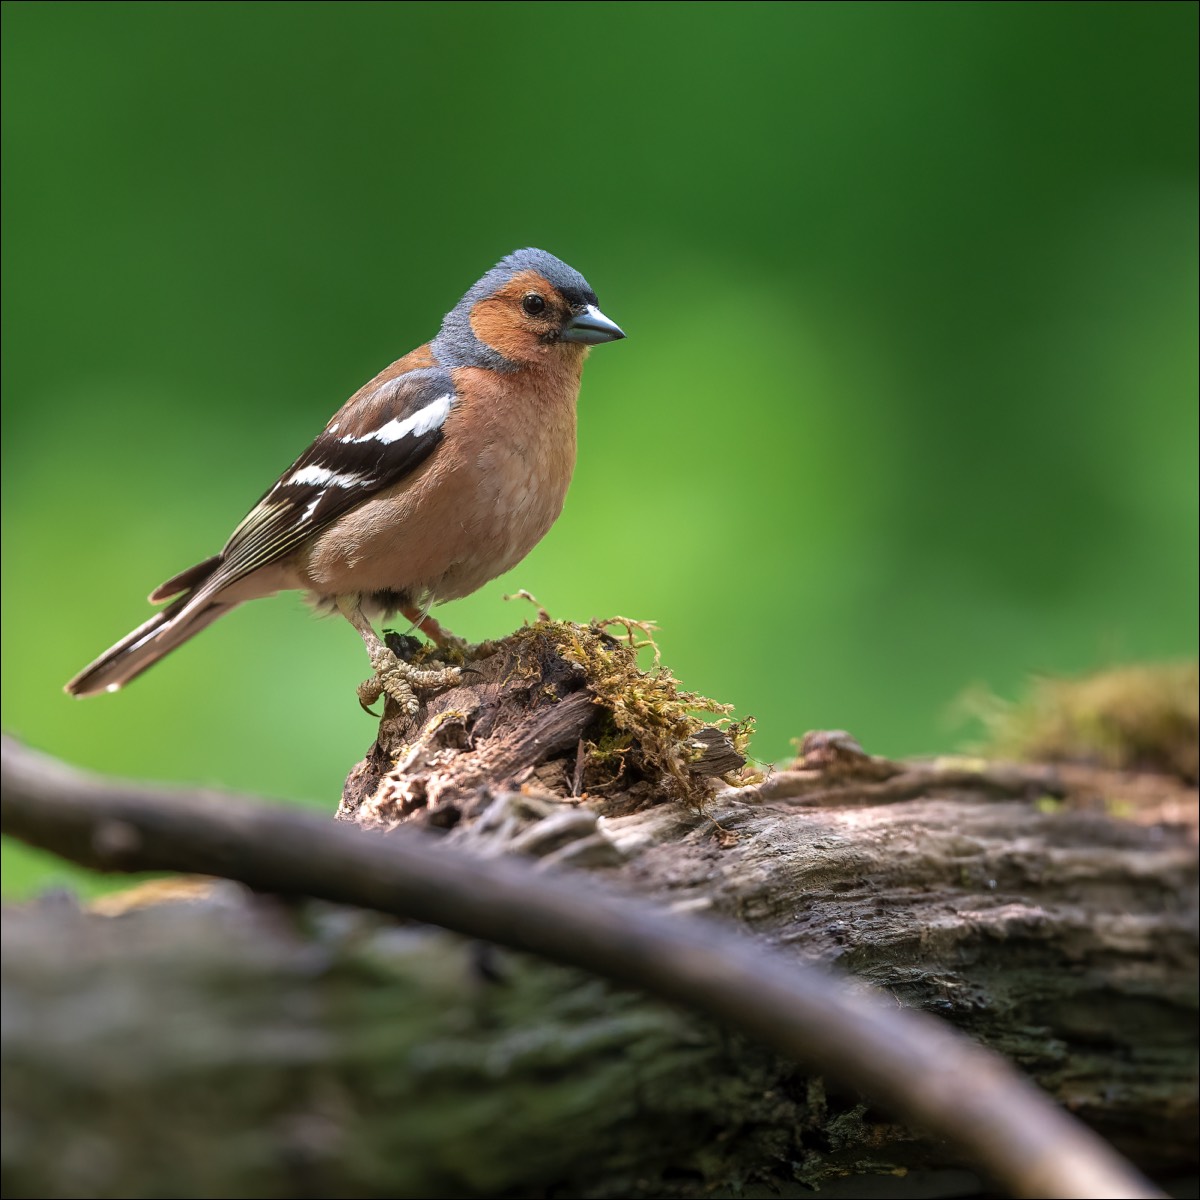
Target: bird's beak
<point x="591" y="327"/>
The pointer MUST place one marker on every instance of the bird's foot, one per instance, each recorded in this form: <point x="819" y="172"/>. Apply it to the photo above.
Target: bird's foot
<point x="459" y="650"/>
<point x="401" y="681"/>
<point x="480" y="650"/>
<point x="450" y="644"/>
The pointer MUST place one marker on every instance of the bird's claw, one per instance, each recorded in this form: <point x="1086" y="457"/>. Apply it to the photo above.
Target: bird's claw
<point x="400" y="681"/>
<point x="481" y="650"/>
<point x="368" y="692"/>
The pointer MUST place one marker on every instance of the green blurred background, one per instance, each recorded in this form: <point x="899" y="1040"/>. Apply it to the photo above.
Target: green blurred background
<point x="908" y="402"/>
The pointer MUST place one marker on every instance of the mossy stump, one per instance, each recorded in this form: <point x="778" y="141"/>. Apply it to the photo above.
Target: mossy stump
<point x="559" y="712"/>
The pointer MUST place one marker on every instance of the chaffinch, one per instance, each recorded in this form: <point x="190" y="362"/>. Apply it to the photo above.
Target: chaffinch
<point x="437" y="476"/>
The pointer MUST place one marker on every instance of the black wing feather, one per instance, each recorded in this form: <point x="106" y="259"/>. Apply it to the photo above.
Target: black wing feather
<point x="375" y="440"/>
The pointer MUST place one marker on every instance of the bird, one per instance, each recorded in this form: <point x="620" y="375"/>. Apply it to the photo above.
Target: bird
<point x="434" y="478"/>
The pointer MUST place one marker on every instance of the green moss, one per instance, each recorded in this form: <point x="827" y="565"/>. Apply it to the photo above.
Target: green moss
<point x="649" y="721"/>
<point x="1129" y="718"/>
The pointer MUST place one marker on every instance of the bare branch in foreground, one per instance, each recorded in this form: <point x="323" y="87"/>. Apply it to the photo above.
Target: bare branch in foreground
<point x="919" y="1068"/>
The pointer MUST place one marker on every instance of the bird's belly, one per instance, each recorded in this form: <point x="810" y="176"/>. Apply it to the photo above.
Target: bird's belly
<point x="512" y="512"/>
<point x="458" y="525"/>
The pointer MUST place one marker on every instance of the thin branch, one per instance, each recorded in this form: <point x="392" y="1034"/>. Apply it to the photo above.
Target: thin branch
<point x="922" y="1070"/>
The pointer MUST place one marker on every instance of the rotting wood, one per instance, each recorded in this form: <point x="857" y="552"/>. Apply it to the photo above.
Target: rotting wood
<point x="1047" y="909"/>
<point x="1049" y="912"/>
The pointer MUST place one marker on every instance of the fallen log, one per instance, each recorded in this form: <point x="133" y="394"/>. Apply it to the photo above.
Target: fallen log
<point x="1047" y="910"/>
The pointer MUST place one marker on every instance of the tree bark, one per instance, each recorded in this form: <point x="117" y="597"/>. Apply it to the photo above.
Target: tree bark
<point x="231" y="1043"/>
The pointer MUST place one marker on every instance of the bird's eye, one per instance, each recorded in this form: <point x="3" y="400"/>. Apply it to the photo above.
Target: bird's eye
<point x="533" y="304"/>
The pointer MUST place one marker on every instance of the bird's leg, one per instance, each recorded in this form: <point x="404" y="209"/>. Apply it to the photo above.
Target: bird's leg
<point x="398" y="679"/>
<point x="441" y="637"/>
<point x="433" y="629"/>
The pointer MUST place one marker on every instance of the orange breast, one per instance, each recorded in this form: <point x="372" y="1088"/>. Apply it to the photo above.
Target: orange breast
<point x="485" y="498"/>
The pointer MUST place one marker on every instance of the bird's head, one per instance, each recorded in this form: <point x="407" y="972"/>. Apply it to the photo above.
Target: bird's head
<point x="526" y="310"/>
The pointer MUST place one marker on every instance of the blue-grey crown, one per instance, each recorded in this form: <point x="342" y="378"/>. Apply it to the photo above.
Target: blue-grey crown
<point x="457" y="346"/>
<point x="566" y="279"/>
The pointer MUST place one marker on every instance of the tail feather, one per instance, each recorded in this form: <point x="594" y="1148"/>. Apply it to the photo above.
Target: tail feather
<point x="148" y="643"/>
<point x="186" y="581"/>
